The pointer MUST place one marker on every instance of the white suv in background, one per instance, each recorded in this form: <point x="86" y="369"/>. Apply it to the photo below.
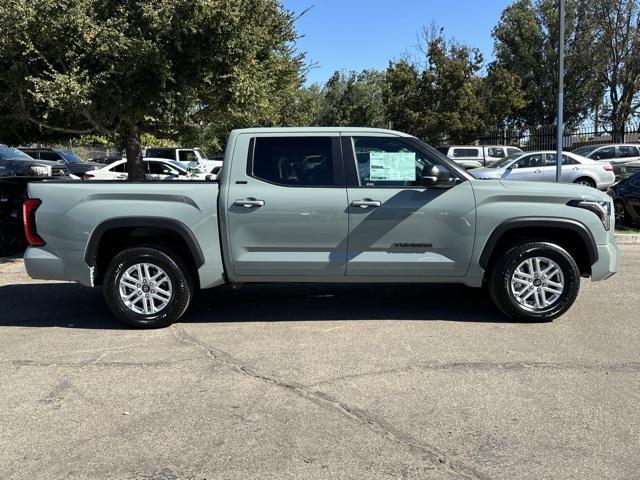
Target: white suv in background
<point x="476" y="156"/>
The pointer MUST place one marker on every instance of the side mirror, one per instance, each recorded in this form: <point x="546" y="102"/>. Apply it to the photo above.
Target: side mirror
<point x="437" y="176"/>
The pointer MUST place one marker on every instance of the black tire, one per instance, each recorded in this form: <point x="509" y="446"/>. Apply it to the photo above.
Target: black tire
<point x="586" y="181"/>
<point x="622" y="218"/>
<point x="500" y="276"/>
<point x="182" y="286"/>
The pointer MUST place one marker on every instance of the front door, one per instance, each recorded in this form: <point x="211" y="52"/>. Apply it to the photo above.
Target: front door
<point x="287" y="207"/>
<point x="396" y="226"/>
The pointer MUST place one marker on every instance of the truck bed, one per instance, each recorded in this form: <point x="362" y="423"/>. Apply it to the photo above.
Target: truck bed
<point x="72" y="214"/>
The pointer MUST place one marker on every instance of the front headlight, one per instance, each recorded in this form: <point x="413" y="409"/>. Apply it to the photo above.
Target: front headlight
<point x="602" y="208"/>
<point x="41" y="171"/>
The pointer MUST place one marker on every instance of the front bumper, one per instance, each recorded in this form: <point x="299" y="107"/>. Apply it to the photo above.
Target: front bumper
<point x="607" y="264"/>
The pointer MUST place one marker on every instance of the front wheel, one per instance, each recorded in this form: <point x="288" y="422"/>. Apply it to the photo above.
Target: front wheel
<point x="621" y="213"/>
<point x="147" y="287"/>
<point x="535" y="281"/>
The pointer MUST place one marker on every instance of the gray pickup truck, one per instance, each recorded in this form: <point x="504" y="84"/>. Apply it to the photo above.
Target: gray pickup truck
<point x="321" y="205"/>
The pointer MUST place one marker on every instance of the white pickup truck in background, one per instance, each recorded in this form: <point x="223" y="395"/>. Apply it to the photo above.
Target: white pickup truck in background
<point x="192" y="157"/>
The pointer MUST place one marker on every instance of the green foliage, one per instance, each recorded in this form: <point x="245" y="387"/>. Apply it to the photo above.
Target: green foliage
<point x="353" y="99"/>
<point x="448" y="100"/>
<point x="526" y="44"/>
<point x="127" y="67"/>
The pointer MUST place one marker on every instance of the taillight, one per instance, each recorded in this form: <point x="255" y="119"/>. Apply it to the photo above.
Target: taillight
<point x="88" y="175"/>
<point x="29" y="208"/>
<point x="608" y="167"/>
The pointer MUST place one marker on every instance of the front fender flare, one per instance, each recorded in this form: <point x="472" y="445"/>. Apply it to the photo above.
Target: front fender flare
<point x="540" y="222"/>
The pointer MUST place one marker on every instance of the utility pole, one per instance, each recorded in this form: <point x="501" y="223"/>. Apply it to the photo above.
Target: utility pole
<point x="560" y="119"/>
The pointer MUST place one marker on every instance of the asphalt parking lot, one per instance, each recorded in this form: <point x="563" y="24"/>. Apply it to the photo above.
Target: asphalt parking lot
<point x="278" y="382"/>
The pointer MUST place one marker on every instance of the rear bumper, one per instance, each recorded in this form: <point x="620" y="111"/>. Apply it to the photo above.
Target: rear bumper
<point x="68" y="265"/>
<point x="607" y="264"/>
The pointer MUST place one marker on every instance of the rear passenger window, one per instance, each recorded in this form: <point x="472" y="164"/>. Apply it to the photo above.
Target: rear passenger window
<point x="294" y="161"/>
<point x="627" y="151"/>
<point x="122" y="168"/>
<point x="465" y="152"/>
<point x="495" y="152"/>
<point x="511" y="151"/>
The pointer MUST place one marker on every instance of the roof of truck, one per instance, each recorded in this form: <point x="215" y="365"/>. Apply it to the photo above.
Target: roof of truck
<point x="352" y="130"/>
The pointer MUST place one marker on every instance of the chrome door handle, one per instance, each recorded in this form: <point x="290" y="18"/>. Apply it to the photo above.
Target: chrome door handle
<point x="537" y="171"/>
<point x="249" y="203"/>
<point x="366" y="203"/>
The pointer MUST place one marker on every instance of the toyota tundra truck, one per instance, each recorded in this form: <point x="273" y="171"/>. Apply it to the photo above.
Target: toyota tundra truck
<point x="329" y="205"/>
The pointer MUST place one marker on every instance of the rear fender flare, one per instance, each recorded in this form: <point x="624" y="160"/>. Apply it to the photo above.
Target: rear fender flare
<point x="151" y="222"/>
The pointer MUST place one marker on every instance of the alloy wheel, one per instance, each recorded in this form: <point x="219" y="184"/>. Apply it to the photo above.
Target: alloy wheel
<point x="537" y="283"/>
<point x="145" y="288"/>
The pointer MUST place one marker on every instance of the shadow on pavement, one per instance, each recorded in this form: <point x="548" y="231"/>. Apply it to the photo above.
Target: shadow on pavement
<point x="68" y="305"/>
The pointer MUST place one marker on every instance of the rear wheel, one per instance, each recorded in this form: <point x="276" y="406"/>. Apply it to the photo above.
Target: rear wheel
<point x="587" y="182"/>
<point x="147" y="287"/>
<point x="535" y="281"/>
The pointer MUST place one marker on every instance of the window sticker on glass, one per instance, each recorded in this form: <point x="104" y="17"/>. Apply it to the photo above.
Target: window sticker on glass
<point x="392" y="166"/>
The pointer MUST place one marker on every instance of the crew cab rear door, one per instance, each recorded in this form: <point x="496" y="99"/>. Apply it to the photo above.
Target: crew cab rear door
<point x="286" y="207"/>
<point x="396" y="226"/>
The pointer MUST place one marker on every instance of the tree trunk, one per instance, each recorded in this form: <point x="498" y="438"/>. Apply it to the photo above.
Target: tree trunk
<point x="135" y="165"/>
<point x="618" y="130"/>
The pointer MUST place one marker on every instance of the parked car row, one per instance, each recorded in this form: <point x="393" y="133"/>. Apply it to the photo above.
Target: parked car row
<point x="477" y="156"/>
<point x="74" y="164"/>
<point x="156" y="169"/>
<point x="541" y="167"/>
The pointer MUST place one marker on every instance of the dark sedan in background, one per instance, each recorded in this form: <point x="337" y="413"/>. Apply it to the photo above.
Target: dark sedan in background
<point x="626" y="200"/>
<point x="74" y="164"/>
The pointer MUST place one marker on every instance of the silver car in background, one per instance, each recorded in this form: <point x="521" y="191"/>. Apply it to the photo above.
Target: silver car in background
<point x="541" y="167"/>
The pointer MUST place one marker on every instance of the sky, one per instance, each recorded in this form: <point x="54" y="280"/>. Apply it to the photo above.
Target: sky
<point x="359" y="34"/>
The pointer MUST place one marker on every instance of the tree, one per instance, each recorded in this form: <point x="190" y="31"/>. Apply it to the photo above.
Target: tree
<point x="353" y="99"/>
<point x="128" y="67"/>
<point x="526" y="44"/>
<point x="618" y="41"/>
<point x="440" y="100"/>
<point x="502" y="97"/>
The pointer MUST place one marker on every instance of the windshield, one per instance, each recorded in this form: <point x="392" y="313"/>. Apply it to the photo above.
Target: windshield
<point x="584" y="151"/>
<point x="8" y="153"/>
<point x="506" y="161"/>
<point x="70" y="157"/>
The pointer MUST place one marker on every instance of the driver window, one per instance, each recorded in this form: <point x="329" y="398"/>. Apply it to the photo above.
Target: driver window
<point x="529" y="161"/>
<point x="386" y="162"/>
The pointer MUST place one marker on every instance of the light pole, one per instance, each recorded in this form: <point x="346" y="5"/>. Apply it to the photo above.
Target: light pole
<point x="560" y="119"/>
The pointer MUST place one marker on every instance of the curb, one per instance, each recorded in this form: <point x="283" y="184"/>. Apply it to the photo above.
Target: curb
<point x="627" y="239"/>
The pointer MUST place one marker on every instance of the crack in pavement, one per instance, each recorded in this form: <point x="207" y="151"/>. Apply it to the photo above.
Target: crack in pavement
<point x="433" y="454"/>
<point x="487" y="366"/>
